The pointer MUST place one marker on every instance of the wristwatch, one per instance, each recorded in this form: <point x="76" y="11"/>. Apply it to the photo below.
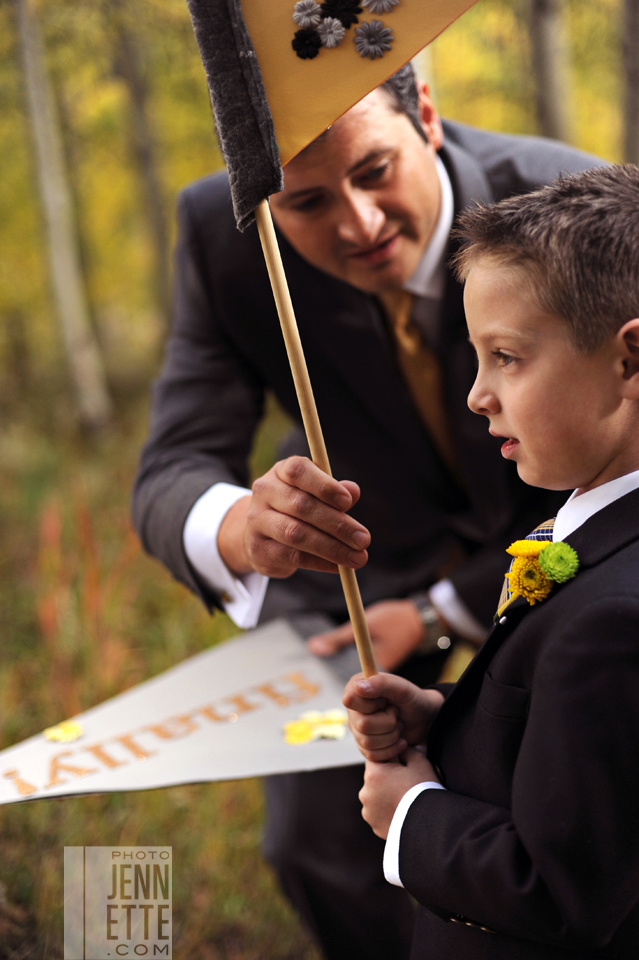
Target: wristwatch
<point x="433" y="639"/>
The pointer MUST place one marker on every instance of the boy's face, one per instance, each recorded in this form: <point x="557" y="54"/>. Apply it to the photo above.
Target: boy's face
<point x="559" y="411"/>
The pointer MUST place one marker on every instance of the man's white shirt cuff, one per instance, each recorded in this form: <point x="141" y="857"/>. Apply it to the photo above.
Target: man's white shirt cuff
<point x="391" y="850"/>
<point x="445" y="599"/>
<point x="241" y="597"/>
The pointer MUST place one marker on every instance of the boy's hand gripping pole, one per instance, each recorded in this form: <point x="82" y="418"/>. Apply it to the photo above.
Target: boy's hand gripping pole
<point x="309" y="416"/>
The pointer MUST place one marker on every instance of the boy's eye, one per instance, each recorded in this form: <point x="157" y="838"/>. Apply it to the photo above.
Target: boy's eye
<point x="503" y="359"/>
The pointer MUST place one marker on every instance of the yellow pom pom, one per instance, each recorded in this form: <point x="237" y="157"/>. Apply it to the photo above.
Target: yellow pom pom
<point x="299" y="731"/>
<point x="64" y="732"/>
<point x="527" y="548"/>
<point x="528" y="580"/>
<point x="315" y="725"/>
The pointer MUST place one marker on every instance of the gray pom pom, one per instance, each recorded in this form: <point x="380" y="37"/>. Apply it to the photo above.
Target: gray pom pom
<point x="307" y="13"/>
<point x="373" y="39"/>
<point x="331" y="32"/>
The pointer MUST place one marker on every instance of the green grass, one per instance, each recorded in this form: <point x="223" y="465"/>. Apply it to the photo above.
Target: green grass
<point x="84" y="615"/>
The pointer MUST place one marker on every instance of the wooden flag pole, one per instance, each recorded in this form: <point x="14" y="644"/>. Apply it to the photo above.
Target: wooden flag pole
<point x="312" y="424"/>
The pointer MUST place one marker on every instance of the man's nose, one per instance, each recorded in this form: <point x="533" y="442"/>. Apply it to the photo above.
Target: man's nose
<point x="360" y="220"/>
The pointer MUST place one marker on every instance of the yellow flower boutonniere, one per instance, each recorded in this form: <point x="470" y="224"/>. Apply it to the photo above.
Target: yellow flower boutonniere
<point x="537" y="566"/>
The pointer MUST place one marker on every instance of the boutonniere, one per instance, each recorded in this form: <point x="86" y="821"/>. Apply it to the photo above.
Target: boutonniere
<point x="538" y="565"/>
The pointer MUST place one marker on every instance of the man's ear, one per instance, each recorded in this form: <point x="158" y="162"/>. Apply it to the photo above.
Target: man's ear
<point x="629" y="340"/>
<point x="431" y="121"/>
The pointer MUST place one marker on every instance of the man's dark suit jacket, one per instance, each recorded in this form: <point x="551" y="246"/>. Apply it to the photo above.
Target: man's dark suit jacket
<point x="537" y="835"/>
<point x="226" y="349"/>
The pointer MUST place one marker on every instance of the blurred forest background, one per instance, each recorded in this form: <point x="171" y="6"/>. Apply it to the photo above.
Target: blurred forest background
<point x="104" y="118"/>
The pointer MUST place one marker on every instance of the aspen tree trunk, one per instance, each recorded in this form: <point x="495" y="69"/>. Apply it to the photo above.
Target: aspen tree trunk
<point x="83" y="354"/>
<point x="631" y="70"/>
<point x="549" y="54"/>
<point x="129" y="67"/>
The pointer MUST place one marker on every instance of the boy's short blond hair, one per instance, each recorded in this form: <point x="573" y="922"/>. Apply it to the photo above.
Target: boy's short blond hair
<point x="578" y="238"/>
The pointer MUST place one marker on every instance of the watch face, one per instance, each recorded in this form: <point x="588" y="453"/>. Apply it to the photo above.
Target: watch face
<point x="429" y="614"/>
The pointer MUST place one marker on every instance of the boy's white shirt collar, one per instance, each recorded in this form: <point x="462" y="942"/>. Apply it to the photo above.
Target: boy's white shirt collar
<point x="429" y="278"/>
<point x="579" y="508"/>
<point x="574" y="513"/>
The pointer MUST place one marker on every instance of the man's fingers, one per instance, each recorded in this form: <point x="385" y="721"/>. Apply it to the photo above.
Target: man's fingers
<point x="275" y="560"/>
<point x="300" y="505"/>
<point x="296" y="535"/>
<point x="326" y="644"/>
<point x="353" y="489"/>
<point x="302" y="473"/>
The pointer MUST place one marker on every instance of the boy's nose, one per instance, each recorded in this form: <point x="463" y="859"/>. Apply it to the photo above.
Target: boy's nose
<point x="482" y="400"/>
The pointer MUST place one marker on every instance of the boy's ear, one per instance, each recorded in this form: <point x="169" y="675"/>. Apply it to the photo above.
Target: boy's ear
<point x="629" y="335"/>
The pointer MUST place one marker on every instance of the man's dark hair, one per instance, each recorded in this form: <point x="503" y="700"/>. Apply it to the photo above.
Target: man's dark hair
<point x="577" y="238"/>
<point x="402" y="91"/>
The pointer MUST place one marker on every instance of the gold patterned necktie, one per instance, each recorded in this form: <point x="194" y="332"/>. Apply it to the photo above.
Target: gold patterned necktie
<point x="542" y="532"/>
<point x="422" y="374"/>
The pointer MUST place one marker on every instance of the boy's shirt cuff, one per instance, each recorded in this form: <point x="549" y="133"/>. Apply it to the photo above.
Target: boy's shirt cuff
<point x="391" y="850"/>
<point x="241" y="597"/>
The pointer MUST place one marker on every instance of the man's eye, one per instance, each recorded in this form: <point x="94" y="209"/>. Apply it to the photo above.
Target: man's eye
<point x="309" y="203"/>
<point x="375" y="174"/>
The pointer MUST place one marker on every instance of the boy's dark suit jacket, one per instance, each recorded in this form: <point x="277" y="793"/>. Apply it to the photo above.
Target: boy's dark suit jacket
<point x="226" y="348"/>
<point x="537" y="836"/>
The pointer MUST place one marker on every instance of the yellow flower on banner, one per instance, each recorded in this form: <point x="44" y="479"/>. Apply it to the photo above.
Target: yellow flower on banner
<point x="314" y="725"/>
<point x="64" y="732"/>
<point x="527" y="548"/>
<point x="527" y="579"/>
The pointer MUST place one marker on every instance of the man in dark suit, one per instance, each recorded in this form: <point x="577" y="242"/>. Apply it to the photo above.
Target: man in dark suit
<point x="364" y="224"/>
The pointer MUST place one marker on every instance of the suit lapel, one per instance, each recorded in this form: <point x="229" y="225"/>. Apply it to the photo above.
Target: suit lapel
<point x="605" y="533"/>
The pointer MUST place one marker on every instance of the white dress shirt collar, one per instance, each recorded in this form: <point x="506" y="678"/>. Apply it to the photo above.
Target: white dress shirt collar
<point x="579" y="508"/>
<point x="429" y="279"/>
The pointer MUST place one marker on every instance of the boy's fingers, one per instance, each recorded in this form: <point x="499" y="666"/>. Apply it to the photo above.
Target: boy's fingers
<point x="362" y="694"/>
<point x="395" y="689"/>
<point x="374" y="724"/>
<point x="383" y="754"/>
<point x="359" y="705"/>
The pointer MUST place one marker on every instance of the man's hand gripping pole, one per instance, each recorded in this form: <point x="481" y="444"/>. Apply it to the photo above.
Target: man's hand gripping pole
<point x="310" y="418"/>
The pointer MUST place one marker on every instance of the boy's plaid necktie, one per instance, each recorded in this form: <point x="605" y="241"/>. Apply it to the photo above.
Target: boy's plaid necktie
<point x="542" y="532"/>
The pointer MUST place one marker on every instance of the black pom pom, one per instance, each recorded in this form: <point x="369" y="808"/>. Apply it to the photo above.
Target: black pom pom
<point x="306" y="43"/>
<point x="343" y="10"/>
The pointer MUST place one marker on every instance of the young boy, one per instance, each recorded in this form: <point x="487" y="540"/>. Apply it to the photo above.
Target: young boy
<point x="519" y="835"/>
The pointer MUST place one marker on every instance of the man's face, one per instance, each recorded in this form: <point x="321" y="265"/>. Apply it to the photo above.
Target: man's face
<point x="361" y="203"/>
<point x="560" y="411"/>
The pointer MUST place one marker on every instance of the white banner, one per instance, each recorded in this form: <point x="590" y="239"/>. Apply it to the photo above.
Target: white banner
<point x="255" y="705"/>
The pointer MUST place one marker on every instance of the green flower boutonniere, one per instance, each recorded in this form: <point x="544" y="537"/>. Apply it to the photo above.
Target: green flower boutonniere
<point x="537" y="566"/>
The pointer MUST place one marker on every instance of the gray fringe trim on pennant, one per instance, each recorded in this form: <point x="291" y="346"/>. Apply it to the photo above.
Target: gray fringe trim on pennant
<point x="243" y="121"/>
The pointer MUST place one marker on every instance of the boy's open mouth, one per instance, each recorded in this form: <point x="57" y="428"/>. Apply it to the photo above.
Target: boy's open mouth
<point x="509" y="446"/>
